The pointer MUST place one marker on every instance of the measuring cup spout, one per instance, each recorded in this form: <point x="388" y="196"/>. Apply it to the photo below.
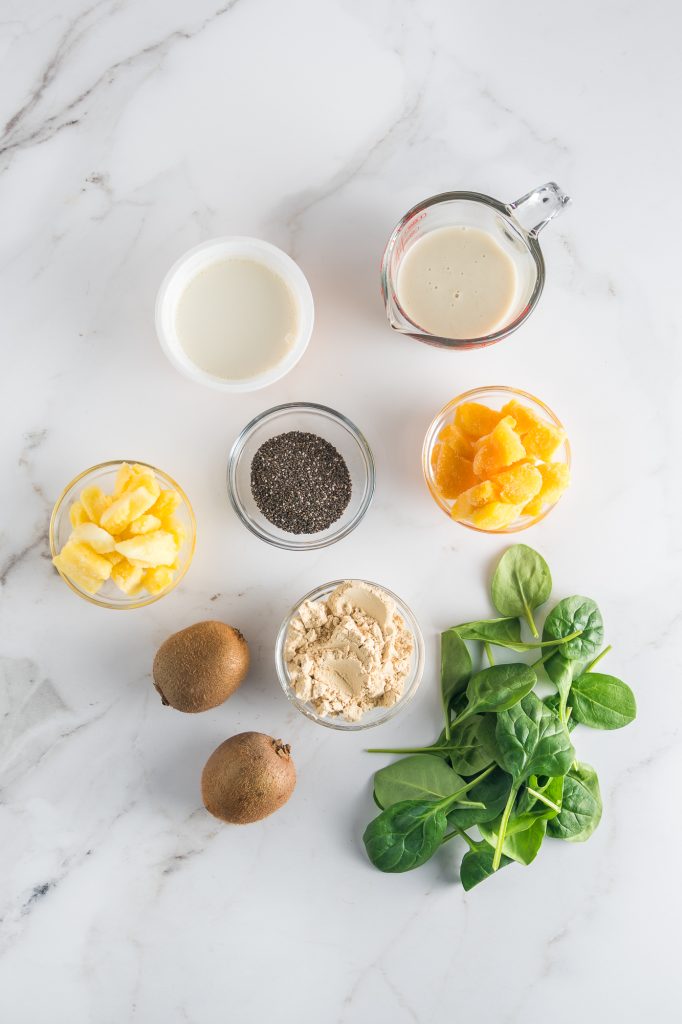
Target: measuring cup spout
<point x="537" y="208"/>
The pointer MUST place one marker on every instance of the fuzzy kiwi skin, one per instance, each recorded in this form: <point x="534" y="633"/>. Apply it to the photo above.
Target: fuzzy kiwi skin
<point x="248" y="777"/>
<point x="200" y="666"/>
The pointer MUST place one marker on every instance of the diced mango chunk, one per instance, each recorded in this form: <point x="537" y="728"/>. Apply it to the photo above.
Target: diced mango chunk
<point x="524" y="416"/>
<point x="127" y="577"/>
<point x="495" y="515"/>
<point x="556" y="477"/>
<point x="156" y="580"/>
<point x="457" y="440"/>
<point x="95" y="502"/>
<point x="542" y="441"/>
<point x="146" y="523"/>
<point x="76" y="558"/>
<point x="125" y="509"/>
<point x="519" y="484"/>
<point x="475" y="419"/>
<point x="149" y="549"/>
<point x="93" y="535"/>
<point x="475" y="497"/>
<point x="453" y="474"/>
<point x="500" y="448"/>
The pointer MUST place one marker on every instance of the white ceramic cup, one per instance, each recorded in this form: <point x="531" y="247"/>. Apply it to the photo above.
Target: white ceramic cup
<point x="240" y="247"/>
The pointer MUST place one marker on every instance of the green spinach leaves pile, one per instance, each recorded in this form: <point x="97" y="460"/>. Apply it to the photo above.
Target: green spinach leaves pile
<point x="504" y="763"/>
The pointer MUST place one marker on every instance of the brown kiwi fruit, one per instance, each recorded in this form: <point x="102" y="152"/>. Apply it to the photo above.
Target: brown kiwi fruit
<point x="248" y="777"/>
<point x="201" y="666"/>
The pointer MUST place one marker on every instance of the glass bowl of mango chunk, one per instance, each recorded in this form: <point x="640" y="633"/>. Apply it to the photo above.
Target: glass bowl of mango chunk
<point x="122" y="534"/>
<point x="496" y="459"/>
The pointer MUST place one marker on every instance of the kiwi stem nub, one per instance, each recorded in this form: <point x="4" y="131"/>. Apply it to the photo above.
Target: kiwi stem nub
<point x="281" y="749"/>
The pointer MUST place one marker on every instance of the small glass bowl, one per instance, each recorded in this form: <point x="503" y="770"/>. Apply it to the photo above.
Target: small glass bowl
<point x="104" y="476"/>
<point x="377" y="716"/>
<point x="316" y="419"/>
<point x="495" y="397"/>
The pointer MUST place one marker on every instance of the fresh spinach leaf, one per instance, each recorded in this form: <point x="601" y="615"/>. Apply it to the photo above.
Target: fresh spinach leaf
<point x="405" y="835"/>
<point x="497" y="688"/>
<point x="531" y="740"/>
<point x="492" y="792"/>
<point x="522" y="582"/>
<point x="575" y="614"/>
<point x="466" y="754"/>
<point x="581" y="806"/>
<point x="455" y="670"/>
<point x="553" y="702"/>
<point x="420" y="777"/>
<point x="477" y="865"/>
<point x="501" y="632"/>
<point x="602" y="701"/>
<point x="520" y="844"/>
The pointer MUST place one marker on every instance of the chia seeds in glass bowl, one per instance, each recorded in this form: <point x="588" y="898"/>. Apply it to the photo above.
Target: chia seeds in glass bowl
<point x="300" y="476"/>
<point x="300" y="482"/>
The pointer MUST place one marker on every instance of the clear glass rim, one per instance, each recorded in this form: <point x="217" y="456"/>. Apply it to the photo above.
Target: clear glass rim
<point x="390" y="296"/>
<point x="434" y="429"/>
<point x="233" y="491"/>
<point x="150" y="598"/>
<point x="411" y="686"/>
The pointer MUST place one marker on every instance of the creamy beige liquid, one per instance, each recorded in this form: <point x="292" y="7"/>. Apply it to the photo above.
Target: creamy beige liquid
<point x="236" y="318"/>
<point x="457" y="283"/>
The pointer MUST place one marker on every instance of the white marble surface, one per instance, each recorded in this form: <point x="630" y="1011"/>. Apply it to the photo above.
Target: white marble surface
<point x="135" y="130"/>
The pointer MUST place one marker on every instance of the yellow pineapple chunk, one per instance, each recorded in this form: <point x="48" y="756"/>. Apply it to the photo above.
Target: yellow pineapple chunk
<point x="475" y="497"/>
<point x="75" y="558"/>
<point x="165" y="504"/>
<point x="125" y="509"/>
<point x="113" y="556"/>
<point x="495" y="515"/>
<point x="518" y="484"/>
<point x="177" y="528"/>
<point x="144" y="524"/>
<point x="82" y="580"/>
<point x="475" y="419"/>
<point x="77" y="514"/>
<point x="97" y="538"/>
<point x="123" y="478"/>
<point x="127" y="577"/>
<point x="149" y="549"/>
<point x="156" y="580"/>
<point x="144" y="476"/>
<point x="457" y="440"/>
<point x="95" y="502"/>
<point x="500" y="448"/>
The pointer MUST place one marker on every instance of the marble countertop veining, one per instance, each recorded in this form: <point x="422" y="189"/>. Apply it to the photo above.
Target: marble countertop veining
<point x="135" y="130"/>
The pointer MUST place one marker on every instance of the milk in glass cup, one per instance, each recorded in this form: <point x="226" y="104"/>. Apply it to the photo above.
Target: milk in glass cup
<point x="463" y="270"/>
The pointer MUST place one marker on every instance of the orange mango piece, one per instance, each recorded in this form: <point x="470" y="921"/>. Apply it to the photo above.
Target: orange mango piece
<point x="500" y="448"/>
<point x="474" y="498"/>
<point x="525" y="418"/>
<point x="495" y="515"/>
<point x="457" y="440"/>
<point x="542" y="441"/>
<point x="519" y="484"/>
<point x="475" y="420"/>
<point x="453" y="474"/>
<point x="556" y="477"/>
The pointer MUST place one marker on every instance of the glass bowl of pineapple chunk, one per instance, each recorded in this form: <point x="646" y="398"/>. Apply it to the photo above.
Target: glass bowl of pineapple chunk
<point x="122" y="534"/>
<point x="496" y="459"/>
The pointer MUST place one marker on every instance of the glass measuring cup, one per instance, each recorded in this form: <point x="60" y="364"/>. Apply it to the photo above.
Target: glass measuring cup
<point x="514" y="226"/>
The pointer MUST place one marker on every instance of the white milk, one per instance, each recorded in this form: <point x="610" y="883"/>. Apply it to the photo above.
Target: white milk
<point x="457" y="282"/>
<point x="236" y="318"/>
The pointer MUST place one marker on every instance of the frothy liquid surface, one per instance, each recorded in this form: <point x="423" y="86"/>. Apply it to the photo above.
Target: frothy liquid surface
<point x="457" y="283"/>
<point x="236" y="318"/>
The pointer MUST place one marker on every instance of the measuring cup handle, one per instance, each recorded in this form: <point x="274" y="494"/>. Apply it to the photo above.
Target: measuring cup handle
<point x="539" y="207"/>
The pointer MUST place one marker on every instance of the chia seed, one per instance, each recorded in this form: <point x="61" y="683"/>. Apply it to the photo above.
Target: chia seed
<point x="300" y="482"/>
